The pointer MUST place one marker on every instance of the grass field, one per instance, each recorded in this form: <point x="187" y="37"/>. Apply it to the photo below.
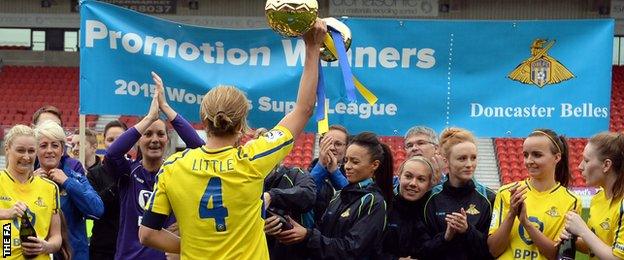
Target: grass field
<point x="579" y="255"/>
<point x="89" y="227"/>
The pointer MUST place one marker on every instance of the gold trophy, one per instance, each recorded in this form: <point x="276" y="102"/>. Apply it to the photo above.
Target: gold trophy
<point x="293" y="18"/>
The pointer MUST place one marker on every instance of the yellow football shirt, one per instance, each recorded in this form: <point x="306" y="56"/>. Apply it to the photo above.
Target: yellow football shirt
<point x="42" y="198"/>
<point x="605" y="220"/>
<point x="546" y="210"/>
<point x="215" y="195"/>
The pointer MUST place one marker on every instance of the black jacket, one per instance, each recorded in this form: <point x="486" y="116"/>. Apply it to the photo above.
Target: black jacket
<point x="293" y="191"/>
<point x="406" y="234"/>
<point x="104" y="233"/>
<point x="352" y="226"/>
<point x="324" y="196"/>
<point x="477" y="202"/>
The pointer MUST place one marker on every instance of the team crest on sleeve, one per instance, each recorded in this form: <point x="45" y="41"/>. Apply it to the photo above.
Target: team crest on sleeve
<point x="540" y="69"/>
<point x="273" y="135"/>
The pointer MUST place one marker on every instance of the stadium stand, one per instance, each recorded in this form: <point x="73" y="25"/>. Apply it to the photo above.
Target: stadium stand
<point x="511" y="159"/>
<point x="27" y="88"/>
<point x="396" y="145"/>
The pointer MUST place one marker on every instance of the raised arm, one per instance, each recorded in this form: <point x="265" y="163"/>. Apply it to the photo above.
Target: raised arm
<point x="115" y="160"/>
<point x="321" y="171"/>
<point x="296" y="120"/>
<point x="179" y="123"/>
<point x="162" y="101"/>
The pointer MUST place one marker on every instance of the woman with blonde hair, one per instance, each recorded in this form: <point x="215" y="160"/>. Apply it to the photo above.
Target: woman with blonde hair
<point x="406" y="234"/>
<point x="26" y="195"/>
<point x="529" y="215"/>
<point x="215" y="191"/>
<point x="458" y="210"/>
<point x="602" y="166"/>
<point x="78" y="199"/>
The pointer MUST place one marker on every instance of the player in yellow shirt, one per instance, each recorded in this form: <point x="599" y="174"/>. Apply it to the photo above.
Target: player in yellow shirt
<point x="24" y="195"/>
<point x="215" y="191"/>
<point x="529" y="215"/>
<point x="603" y="166"/>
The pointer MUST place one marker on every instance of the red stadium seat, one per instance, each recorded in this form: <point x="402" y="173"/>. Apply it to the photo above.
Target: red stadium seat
<point x="31" y="87"/>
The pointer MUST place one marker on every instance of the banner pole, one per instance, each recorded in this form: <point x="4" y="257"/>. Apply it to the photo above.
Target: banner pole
<point x="82" y="124"/>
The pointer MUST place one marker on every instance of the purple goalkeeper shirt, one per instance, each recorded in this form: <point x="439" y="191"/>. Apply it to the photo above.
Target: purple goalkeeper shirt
<point x="135" y="188"/>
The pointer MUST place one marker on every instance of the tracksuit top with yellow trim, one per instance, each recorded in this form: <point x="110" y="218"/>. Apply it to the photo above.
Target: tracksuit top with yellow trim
<point x="605" y="220"/>
<point x="546" y="210"/>
<point x="445" y="199"/>
<point x="42" y="198"/>
<point x="216" y="194"/>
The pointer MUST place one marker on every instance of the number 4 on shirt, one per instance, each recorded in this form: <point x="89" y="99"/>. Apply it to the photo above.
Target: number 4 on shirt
<point x="218" y="212"/>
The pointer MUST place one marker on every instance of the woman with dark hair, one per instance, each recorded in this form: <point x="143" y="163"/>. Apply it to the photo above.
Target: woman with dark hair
<point x="458" y="212"/>
<point x="104" y="233"/>
<point x="136" y="178"/>
<point x="603" y="167"/>
<point x="352" y="226"/>
<point x="529" y="215"/>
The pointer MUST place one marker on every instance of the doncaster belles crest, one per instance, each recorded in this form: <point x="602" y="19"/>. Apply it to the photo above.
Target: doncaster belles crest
<point x="540" y="69"/>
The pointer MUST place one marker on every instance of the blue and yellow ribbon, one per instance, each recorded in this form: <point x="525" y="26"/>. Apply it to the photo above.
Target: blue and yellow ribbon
<point x="350" y="81"/>
<point x="322" y="104"/>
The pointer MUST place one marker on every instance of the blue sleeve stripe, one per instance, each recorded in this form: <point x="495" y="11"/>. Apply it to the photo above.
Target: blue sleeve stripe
<point x="274" y="149"/>
<point x="181" y="156"/>
<point x="151" y="200"/>
<point x="216" y="152"/>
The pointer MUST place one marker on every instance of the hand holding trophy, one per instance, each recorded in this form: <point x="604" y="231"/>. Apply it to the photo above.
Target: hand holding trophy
<point x="293" y="18"/>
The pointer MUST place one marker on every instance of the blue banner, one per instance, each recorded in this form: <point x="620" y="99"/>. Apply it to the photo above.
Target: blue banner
<point x="496" y="78"/>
